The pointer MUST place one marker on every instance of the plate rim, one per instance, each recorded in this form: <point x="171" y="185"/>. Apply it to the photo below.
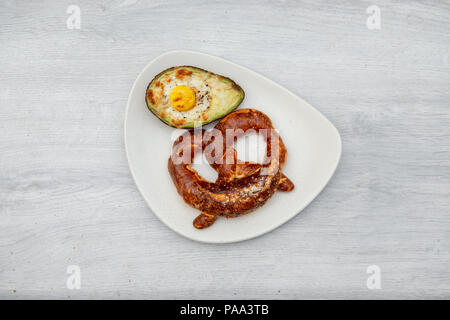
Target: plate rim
<point x="242" y="238"/>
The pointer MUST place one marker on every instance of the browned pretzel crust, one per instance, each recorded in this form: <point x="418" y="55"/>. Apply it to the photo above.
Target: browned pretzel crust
<point x="241" y="186"/>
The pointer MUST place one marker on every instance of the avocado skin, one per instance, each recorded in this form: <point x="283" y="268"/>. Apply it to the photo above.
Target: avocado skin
<point x="190" y="125"/>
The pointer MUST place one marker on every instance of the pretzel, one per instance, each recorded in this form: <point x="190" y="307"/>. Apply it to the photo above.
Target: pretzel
<point x="241" y="186"/>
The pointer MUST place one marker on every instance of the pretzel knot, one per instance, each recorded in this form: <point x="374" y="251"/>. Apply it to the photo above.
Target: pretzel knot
<point x="241" y="186"/>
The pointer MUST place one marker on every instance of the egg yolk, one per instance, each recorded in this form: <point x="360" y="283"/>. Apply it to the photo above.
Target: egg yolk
<point x="182" y="98"/>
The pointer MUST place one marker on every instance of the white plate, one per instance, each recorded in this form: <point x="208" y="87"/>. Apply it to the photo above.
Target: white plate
<point x="313" y="144"/>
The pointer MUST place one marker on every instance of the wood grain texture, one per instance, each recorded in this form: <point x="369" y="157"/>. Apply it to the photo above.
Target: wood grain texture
<point x="67" y="197"/>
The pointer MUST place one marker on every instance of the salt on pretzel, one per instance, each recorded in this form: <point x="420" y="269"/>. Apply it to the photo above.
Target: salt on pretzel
<point x="241" y="186"/>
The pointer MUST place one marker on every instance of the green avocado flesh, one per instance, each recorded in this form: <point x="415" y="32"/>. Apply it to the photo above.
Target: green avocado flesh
<point x="216" y="96"/>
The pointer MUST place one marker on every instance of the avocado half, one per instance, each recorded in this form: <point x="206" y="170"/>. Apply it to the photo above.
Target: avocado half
<point x="226" y="95"/>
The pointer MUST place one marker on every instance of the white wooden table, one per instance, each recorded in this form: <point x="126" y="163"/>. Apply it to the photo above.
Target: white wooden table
<point x="67" y="197"/>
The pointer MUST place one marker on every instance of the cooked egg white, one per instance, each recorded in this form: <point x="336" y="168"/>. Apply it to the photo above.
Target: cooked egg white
<point x="185" y="98"/>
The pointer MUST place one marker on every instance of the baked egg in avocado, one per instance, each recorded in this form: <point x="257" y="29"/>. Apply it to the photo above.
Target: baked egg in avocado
<point x="188" y="97"/>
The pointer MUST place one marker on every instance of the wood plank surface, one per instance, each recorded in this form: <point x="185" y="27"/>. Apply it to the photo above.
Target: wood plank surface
<point x="67" y="196"/>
